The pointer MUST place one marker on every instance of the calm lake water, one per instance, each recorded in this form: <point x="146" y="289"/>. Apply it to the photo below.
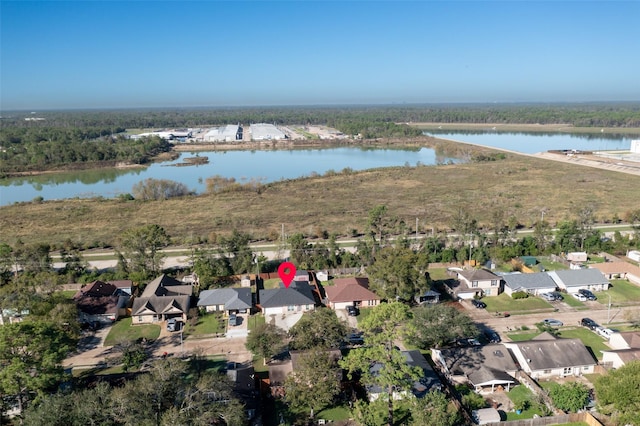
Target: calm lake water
<point x="270" y="166"/>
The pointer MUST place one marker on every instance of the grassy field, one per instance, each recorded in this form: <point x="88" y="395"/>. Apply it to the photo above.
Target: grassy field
<point x="519" y="185"/>
<point x="572" y="301"/>
<point x="207" y="324"/>
<point x="123" y="329"/>
<point x="621" y="291"/>
<point x="522" y="393"/>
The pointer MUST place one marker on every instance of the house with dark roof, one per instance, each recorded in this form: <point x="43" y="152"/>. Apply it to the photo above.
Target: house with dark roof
<point x="548" y="356"/>
<point x="350" y="292"/>
<point x="573" y="280"/>
<point x="479" y="282"/>
<point x="298" y="298"/>
<point x="229" y="300"/>
<point x="625" y="348"/>
<point x="536" y="283"/>
<point x="101" y="302"/>
<point x="163" y="298"/>
<point x="488" y="367"/>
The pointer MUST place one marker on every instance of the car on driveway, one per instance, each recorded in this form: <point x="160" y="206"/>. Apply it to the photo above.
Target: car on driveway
<point x="552" y="322"/>
<point x="557" y="295"/>
<point x="549" y="297"/>
<point x="172" y="324"/>
<point x="233" y="320"/>
<point x="588" y="294"/>
<point x="589" y="323"/>
<point x="579" y="297"/>
<point x="492" y="336"/>
<point x="352" y="311"/>
<point x="478" y="303"/>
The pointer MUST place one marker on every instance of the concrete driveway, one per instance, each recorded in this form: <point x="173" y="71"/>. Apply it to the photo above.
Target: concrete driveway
<point x="240" y="330"/>
<point x="352" y="322"/>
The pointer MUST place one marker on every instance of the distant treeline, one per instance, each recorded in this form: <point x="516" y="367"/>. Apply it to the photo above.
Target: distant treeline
<point x="345" y="118"/>
<point x="45" y="148"/>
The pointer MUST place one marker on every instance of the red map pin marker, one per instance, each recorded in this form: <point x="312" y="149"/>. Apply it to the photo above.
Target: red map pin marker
<point x="287" y="271"/>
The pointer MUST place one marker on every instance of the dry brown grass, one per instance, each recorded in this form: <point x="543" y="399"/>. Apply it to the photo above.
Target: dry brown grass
<point x="519" y="185"/>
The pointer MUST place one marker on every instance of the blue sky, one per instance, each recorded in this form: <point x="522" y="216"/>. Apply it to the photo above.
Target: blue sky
<point x="98" y="54"/>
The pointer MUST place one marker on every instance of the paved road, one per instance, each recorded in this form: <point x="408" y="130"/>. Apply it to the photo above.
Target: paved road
<point x="567" y="314"/>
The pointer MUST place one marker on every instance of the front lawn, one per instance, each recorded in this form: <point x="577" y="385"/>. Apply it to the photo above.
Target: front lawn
<point x="525" y="335"/>
<point x="504" y="303"/>
<point x="122" y="330"/>
<point x="572" y="301"/>
<point x="335" y="414"/>
<point x="211" y="323"/>
<point x="621" y="291"/>
<point x="590" y="339"/>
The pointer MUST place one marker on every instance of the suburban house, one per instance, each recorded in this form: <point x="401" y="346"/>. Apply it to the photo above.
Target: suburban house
<point x="229" y="300"/>
<point x="547" y="356"/>
<point x="626" y="348"/>
<point x="480" y="282"/>
<point x="163" y="298"/>
<point x="536" y="283"/>
<point x="298" y="298"/>
<point x="634" y="255"/>
<point x="125" y="286"/>
<point x="575" y="279"/>
<point x="350" y="292"/>
<point x="420" y="387"/>
<point x="619" y="270"/>
<point x="427" y="297"/>
<point x="279" y="370"/>
<point x="243" y="380"/>
<point x="101" y="302"/>
<point x="488" y="367"/>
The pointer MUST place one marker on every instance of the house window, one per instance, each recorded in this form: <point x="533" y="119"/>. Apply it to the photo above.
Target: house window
<point x="474" y="284"/>
<point x="139" y="318"/>
<point x="547" y="371"/>
<point x="567" y="370"/>
<point x="585" y="368"/>
<point x="290" y="308"/>
<point x="494" y="283"/>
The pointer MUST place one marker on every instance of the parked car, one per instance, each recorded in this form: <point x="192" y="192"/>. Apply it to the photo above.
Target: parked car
<point x="588" y="294"/>
<point x="233" y="320"/>
<point x="552" y="322"/>
<point x="557" y="295"/>
<point x="579" y="297"/>
<point x="604" y="332"/>
<point x="356" y="339"/>
<point x="478" y="303"/>
<point x="589" y="323"/>
<point x="549" y="297"/>
<point x="492" y="336"/>
<point x="352" y="311"/>
<point x="172" y="324"/>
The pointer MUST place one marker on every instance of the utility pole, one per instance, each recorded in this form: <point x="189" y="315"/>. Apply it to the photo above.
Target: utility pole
<point x="609" y="310"/>
<point x="416" y="228"/>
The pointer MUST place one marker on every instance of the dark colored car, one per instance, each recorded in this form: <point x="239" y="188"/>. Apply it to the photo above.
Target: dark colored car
<point x="492" y="336"/>
<point x="478" y="303"/>
<point x="356" y="339"/>
<point x="557" y="295"/>
<point x="588" y="294"/>
<point x="352" y="311"/>
<point x="589" y="323"/>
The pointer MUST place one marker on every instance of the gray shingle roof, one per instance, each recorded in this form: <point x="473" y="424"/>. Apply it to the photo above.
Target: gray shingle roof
<point x="298" y="293"/>
<point x="231" y="298"/>
<point x="578" y="277"/>
<point x="552" y="353"/>
<point x="538" y="280"/>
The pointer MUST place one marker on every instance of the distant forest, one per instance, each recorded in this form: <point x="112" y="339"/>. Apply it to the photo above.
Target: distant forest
<point x="52" y="139"/>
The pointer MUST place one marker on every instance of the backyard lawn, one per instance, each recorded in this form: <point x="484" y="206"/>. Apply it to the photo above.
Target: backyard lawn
<point x="335" y="414"/>
<point x="122" y="330"/>
<point x="504" y="303"/>
<point x="549" y="265"/>
<point x="522" y="393"/>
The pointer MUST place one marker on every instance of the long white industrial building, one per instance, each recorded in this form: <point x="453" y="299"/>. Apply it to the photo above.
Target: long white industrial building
<point x="227" y="133"/>
<point x="265" y="132"/>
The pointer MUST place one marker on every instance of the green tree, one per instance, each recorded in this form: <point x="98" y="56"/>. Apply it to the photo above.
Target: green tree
<point x="572" y="396"/>
<point x="314" y="383"/>
<point x="238" y="252"/>
<point x="141" y="249"/>
<point x="30" y="356"/>
<point x="618" y="396"/>
<point x="301" y="251"/>
<point x="398" y="273"/>
<point x="319" y="329"/>
<point x="379" y="361"/>
<point x="266" y="340"/>
<point x="434" y="409"/>
<point x="438" y="325"/>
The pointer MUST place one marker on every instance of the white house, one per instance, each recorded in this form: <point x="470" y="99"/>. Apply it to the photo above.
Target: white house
<point x="573" y="280"/>
<point x="481" y="281"/>
<point x="547" y="356"/>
